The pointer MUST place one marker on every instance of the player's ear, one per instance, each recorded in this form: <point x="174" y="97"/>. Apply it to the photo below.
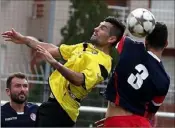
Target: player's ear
<point x="7" y="91"/>
<point x="146" y="42"/>
<point x="112" y="39"/>
<point x="166" y="44"/>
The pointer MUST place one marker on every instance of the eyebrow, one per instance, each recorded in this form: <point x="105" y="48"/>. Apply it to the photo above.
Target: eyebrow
<point x="21" y="84"/>
<point x="102" y="25"/>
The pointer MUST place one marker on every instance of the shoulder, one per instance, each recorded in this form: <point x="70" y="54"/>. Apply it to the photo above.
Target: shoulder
<point x="165" y="81"/>
<point x="31" y="106"/>
<point x="130" y="40"/>
<point x="6" y="109"/>
<point x="105" y="63"/>
<point x="72" y="45"/>
<point x="160" y="78"/>
<point x="128" y="43"/>
<point x="104" y="59"/>
<point x="6" y="106"/>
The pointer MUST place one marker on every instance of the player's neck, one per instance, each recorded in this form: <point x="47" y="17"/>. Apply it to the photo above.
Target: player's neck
<point x="17" y="107"/>
<point x="105" y="49"/>
<point x="158" y="53"/>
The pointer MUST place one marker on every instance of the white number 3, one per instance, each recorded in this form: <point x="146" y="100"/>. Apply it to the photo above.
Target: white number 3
<point x="136" y="81"/>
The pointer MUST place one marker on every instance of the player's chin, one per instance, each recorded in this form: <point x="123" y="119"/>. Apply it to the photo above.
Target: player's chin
<point x="93" y="38"/>
<point x="22" y="98"/>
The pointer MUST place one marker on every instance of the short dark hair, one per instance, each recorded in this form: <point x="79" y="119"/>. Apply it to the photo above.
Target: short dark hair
<point x="158" y="37"/>
<point x="118" y="29"/>
<point x="17" y="75"/>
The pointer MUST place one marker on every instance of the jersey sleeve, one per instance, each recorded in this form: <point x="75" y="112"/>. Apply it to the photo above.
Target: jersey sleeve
<point x="159" y="97"/>
<point x="66" y="50"/>
<point x="94" y="73"/>
<point x="154" y="105"/>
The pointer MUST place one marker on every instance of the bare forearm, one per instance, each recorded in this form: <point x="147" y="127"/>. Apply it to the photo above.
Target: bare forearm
<point x="33" y="42"/>
<point x="73" y="77"/>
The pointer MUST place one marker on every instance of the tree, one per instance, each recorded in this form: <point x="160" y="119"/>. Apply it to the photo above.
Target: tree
<point x="84" y="16"/>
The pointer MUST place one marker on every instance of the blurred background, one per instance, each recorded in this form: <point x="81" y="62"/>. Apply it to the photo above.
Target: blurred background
<point x="70" y="22"/>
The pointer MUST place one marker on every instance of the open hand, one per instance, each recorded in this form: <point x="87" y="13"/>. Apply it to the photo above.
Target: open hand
<point x="45" y="54"/>
<point x="13" y="36"/>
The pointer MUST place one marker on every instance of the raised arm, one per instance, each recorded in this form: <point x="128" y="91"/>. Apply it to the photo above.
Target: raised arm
<point x="31" y="42"/>
<point x="75" y="78"/>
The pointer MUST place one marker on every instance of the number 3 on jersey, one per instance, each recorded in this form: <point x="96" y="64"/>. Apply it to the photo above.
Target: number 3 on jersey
<point x="136" y="81"/>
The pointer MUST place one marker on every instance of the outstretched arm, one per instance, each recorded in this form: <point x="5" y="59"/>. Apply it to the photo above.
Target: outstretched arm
<point x="31" y="42"/>
<point x="72" y="76"/>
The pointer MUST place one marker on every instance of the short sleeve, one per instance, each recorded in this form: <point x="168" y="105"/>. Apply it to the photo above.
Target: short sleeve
<point x="66" y="50"/>
<point x="94" y="74"/>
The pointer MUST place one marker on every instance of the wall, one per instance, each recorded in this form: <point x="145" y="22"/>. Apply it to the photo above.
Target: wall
<point x="61" y="18"/>
<point x="14" y="14"/>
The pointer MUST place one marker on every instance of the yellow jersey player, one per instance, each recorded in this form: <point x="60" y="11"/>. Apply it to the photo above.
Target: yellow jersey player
<point x="87" y="64"/>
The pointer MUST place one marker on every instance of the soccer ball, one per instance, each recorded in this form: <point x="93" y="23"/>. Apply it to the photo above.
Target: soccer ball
<point x="140" y="22"/>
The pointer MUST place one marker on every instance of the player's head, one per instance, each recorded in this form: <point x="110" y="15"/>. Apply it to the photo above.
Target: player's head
<point x="110" y="31"/>
<point x="17" y="88"/>
<point x="157" y="39"/>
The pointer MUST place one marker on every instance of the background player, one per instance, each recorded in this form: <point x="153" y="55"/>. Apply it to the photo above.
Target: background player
<point x="17" y="112"/>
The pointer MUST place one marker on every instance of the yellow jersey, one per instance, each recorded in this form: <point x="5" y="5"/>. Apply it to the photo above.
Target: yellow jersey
<point x="84" y="58"/>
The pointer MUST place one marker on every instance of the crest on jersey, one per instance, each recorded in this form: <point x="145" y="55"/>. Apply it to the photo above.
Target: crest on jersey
<point x="33" y="116"/>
